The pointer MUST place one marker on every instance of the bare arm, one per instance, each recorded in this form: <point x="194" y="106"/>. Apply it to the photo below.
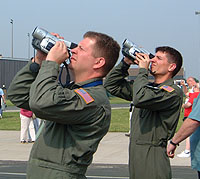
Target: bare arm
<point x="185" y="90"/>
<point x="4" y="100"/>
<point x="187" y="105"/>
<point x="187" y="128"/>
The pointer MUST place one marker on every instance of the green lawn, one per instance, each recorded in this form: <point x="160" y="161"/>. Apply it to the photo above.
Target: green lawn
<point x="8" y="103"/>
<point x="115" y="100"/>
<point x="119" y="121"/>
<point x="10" y="121"/>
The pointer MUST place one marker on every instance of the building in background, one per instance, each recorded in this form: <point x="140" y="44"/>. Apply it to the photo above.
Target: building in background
<point x="10" y="66"/>
<point x="134" y="71"/>
<point x="8" y="69"/>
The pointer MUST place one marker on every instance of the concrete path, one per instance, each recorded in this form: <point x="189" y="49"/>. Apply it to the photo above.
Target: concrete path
<point x="113" y="149"/>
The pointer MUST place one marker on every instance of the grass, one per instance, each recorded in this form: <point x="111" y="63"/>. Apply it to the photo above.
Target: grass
<point x="119" y="121"/>
<point x="115" y="100"/>
<point x="10" y="121"/>
<point x="8" y="103"/>
<point x="119" y="118"/>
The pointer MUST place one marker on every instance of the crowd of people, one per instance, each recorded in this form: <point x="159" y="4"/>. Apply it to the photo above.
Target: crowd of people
<point x="77" y="116"/>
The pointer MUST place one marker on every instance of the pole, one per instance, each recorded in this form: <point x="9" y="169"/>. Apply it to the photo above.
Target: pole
<point x="197" y="12"/>
<point x="11" y="21"/>
<point x="28" y="45"/>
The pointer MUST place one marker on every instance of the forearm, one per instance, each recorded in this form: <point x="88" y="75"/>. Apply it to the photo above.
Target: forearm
<point x="187" y="128"/>
<point x="43" y="91"/>
<point x="187" y="105"/>
<point x="141" y="80"/>
<point x="116" y="83"/>
<point x="4" y="100"/>
<point x="185" y="90"/>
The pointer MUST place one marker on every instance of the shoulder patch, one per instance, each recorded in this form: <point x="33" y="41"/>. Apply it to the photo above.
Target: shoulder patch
<point x="167" y="88"/>
<point x="85" y="95"/>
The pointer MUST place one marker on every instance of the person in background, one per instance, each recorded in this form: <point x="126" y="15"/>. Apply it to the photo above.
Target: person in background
<point x="36" y="122"/>
<point x="131" y="106"/>
<point x="2" y="102"/>
<point x="191" y="83"/>
<point x="27" y="126"/>
<point x="156" y="111"/>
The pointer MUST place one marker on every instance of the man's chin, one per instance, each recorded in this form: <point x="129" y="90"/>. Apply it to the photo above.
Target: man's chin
<point x="152" y="72"/>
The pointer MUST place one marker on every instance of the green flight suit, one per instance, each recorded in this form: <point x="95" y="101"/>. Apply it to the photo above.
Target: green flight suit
<point x="77" y="118"/>
<point x="153" y="123"/>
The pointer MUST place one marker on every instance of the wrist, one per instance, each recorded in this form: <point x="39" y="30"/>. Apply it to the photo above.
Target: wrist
<point x="173" y="143"/>
<point x="36" y="60"/>
<point x="34" y="66"/>
<point x="127" y="61"/>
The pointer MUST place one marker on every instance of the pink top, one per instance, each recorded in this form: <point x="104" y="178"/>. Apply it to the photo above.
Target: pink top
<point x="26" y="113"/>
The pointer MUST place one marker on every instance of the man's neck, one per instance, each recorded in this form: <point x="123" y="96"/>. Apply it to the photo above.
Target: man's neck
<point x="161" y="79"/>
<point x="82" y="79"/>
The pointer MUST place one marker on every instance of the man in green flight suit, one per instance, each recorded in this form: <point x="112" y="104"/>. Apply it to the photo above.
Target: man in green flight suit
<point x="77" y="116"/>
<point x="156" y="110"/>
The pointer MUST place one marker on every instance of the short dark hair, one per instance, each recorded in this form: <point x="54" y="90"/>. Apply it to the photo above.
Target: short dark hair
<point x="105" y="47"/>
<point x="173" y="56"/>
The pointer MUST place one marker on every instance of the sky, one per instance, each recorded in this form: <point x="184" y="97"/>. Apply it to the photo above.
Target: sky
<point x="148" y="23"/>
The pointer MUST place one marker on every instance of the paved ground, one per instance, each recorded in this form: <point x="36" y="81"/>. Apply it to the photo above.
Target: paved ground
<point x="110" y="160"/>
<point x="113" y="149"/>
<point x="111" y="156"/>
<point x="17" y="170"/>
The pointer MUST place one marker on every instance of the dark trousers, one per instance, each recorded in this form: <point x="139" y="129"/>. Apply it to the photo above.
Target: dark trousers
<point x="198" y="174"/>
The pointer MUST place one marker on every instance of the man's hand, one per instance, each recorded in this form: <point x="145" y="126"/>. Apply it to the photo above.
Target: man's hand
<point x="143" y="60"/>
<point x="171" y="150"/>
<point x="182" y="83"/>
<point x="40" y="56"/>
<point x="58" y="53"/>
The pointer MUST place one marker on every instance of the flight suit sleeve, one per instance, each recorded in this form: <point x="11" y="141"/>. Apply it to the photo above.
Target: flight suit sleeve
<point x="50" y="101"/>
<point x="18" y="91"/>
<point x="116" y="84"/>
<point x="153" y="98"/>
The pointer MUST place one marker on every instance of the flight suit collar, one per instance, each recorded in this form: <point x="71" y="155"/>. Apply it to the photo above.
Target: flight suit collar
<point x="84" y="83"/>
<point x="168" y="82"/>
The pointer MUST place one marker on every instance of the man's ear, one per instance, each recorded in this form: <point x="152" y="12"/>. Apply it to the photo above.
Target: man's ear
<point x="172" y="67"/>
<point x="99" y="62"/>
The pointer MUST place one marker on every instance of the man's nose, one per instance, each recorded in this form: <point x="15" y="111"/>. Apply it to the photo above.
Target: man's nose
<point x="74" y="50"/>
<point x="152" y="59"/>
